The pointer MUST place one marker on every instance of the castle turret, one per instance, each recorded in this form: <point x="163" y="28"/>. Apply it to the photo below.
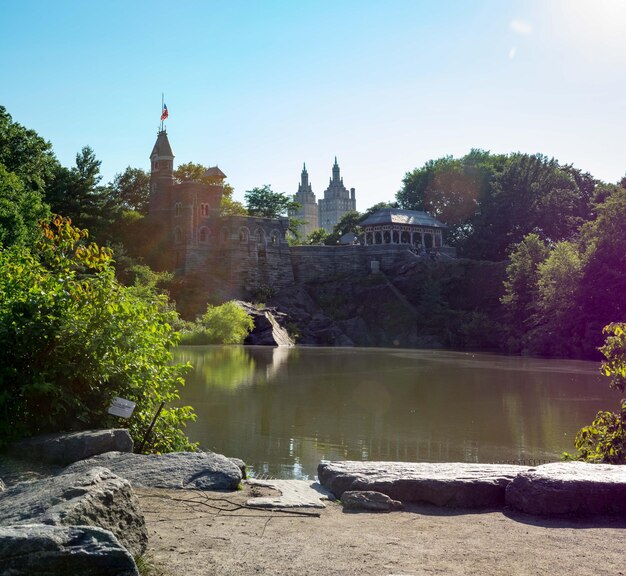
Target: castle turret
<point x="161" y="174"/>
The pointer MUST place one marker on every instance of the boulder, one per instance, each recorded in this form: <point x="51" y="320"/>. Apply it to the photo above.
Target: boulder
<point x="61" y="550"/>
<point x="2" y="486"/>
<point x="369" y="500"/>
<point x="569" y="488"/>
<point x="70" y="447"/>
<point x="241" y="465"/>
<point x="95" y="497"/>
<point x="190" y="470"/>
<point x="456" y="485"/>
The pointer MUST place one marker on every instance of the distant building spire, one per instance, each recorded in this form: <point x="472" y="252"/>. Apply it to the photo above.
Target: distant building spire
<point x="336" y="171"/>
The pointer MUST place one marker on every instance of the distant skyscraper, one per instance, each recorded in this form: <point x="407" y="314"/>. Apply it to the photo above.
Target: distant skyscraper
<point x="308" y="211"/>
<point x="336" y="202"/>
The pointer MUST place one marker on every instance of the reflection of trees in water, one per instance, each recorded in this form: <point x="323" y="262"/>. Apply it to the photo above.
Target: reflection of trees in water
<point x="345" y="404"/>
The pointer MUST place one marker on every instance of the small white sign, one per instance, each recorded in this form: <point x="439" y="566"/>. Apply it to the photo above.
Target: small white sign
<point x="121" y="407"/>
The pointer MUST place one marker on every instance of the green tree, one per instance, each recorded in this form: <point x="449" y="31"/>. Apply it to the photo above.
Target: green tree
<point x="603" y="277"/>
<point x="130" y="190"/>
<point x="530" y="194"/>
<point x="26" y="154"/>
<point x="379" y="206"/>
<point x="267" y="203"/>
<point x="318" y="236"/>
<point x="349" y="222"/>
<point x="20" y="210"/>
<point x="77" y="194"/>
<point x="521" y="290"/>
<point x="558" y="283"/>
<point x="604" y="440"/>
<point x="73" y="338"/>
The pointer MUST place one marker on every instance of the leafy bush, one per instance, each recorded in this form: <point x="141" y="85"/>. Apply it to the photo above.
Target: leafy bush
<point x="604" y="440"/>
<point x="224" y="324"/>
<point x="73" y="338"/>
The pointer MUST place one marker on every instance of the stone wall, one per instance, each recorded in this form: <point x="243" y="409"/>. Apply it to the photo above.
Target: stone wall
<point x="312" y="263"/>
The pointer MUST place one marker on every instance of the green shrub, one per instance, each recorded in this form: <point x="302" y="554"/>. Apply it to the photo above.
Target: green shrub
<point x="224" y="324"/>
<point x="604" y="440"/>
<point x="73" y="338"/>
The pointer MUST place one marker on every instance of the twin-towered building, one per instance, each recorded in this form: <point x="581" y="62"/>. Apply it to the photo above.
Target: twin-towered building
<point x="328" y="211"/>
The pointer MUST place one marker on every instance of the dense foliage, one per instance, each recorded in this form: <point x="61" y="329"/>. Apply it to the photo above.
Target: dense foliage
<point x="491" y="201"/>
<point x="604" y="440"/>
<point x="265" y="202"/>
<point x="559" y="296"/>
<point x="73" y="338"/>
<point x="227" y="323"/>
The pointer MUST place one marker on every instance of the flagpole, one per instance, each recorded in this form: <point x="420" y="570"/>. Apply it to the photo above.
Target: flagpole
<point x="162" y="102"/>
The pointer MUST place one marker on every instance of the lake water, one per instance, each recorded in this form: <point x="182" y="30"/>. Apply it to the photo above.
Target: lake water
<point x="282" y="410"/>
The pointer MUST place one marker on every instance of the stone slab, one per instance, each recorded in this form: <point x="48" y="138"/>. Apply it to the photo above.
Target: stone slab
<point x="569" y="488"/>
<point x="176" y="470"/>
<point x="455" y="485"/>
<point x="95" y="497"/>
<point x="65" y="448"/>
<point x="293" y="494"/>
<point x="62" y="550"/>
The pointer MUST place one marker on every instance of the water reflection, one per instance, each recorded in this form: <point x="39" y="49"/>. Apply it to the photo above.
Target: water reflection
<point x="284" y="409"/>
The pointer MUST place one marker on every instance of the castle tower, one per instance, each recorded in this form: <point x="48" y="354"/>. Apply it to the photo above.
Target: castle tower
<point x="161" y="176"/>
<point x="336" y="202"/>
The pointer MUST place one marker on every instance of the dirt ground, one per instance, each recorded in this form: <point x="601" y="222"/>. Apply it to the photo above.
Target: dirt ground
<point x="209" y="533"/>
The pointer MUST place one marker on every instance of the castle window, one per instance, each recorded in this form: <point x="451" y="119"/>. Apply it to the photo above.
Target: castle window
<point x="224" y="234"/>
<point x="204" y="210"/>
<point x="244" y="234"/>
<point x="178" y="235"/>
<point x="204" y="235"/>
<point x="178" y="208"/>
<point x="259" y="235"/>
<point x="155" y="165"/>
<point x="275" y="237"/>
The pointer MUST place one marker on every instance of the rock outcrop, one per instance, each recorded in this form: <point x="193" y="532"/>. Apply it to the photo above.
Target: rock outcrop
<point x="454" y="485"/>
<point x="370" y="501"/>
<point x="93" y="497"/>
<point x="199" y="470"/>
<point x="269" y="329"/>
<point x="62" y="550"/>
<point x="569" y="488"/>
<point x="66" y="448"/>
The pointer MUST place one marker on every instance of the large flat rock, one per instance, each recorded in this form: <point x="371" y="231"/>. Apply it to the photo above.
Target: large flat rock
<point x="569" y="488"/>
<point x="455" y="485"/>
<point x="65" y="448"/>
<point x="62" y="550"/>
<point x="187" y="470"/>
<point x="94" y="497"/>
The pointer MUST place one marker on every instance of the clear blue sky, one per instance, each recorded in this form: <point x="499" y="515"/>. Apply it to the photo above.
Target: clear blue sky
<point x="259" y="87"/>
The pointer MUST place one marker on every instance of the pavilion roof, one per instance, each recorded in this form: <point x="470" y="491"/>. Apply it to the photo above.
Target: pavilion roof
<point x="398" y="216"/>
<point x="215" y="172"/>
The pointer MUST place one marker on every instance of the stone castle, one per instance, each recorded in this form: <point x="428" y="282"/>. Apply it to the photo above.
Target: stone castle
<point x="242" y="256"/>
<point x="329" y="210"/>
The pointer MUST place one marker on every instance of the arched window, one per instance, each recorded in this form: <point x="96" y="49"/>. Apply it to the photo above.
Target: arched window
<point x="178" y="235"/>
<point x="204" y="209"/>
<point x="275" y="237"/>
<point x="259" y="235"/>
<point x="178" y="208"/>
<point x="244" y="235"/>
<point x="204" y="234"/>
<point x="224" y="234"/>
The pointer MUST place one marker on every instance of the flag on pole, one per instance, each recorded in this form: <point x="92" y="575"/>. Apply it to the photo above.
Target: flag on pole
<point x="164" y="114"/>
